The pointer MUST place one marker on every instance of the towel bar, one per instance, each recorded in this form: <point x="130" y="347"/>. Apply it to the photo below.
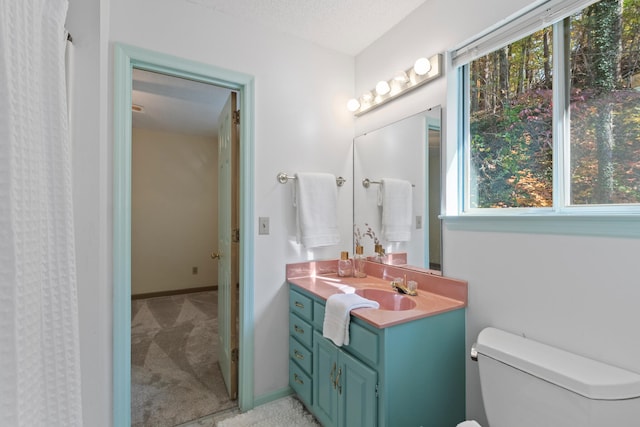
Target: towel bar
<point x="367" y="182"/>
<point x="283" y="178"/>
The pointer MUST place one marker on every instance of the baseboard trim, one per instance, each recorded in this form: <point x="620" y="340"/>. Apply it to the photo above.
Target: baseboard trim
<point x="270" y="397"/>
<point x="174" y="292"/>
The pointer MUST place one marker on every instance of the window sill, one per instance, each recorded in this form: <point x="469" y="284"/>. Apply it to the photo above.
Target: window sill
<point x="580" y="225"/>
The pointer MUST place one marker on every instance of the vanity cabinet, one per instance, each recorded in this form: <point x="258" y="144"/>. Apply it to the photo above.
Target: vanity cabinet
<point x="344" y="387"/>
<point x="300" y="346"/>
<point x="409" y="374"/>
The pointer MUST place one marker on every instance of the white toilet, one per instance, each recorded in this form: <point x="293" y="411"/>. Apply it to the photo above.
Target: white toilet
<point x="529" y="384"/>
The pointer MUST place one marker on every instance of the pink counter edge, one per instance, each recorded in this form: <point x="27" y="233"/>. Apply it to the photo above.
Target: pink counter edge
<point x="431" y="282"/>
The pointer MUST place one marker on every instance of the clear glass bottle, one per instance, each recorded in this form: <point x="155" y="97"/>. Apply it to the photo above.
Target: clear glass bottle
<point x="379" y="254"/>
<point x="359" y="262"/>
<point x="345" y="267"/>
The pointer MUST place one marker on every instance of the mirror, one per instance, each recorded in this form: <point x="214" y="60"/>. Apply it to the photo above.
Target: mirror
<point x="409" y="150"/>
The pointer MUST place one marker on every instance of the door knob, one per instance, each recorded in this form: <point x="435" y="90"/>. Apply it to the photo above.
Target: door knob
<point x="216" y="255"/>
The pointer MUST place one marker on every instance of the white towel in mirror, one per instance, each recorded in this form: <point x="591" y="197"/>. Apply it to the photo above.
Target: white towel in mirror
<point x="396" y="198"/>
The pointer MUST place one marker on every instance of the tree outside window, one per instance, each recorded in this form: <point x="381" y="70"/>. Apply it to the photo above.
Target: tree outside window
<point x="511" y="117"/>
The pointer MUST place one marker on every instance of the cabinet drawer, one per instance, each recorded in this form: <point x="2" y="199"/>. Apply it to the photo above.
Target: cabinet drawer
<point x="318" y="315"/>
<point x="301" y="330"/>
<point x="300" y="383"/>
<point x="363" y="343"/>
<point x="301" y="355"/>
<point x="301" y="305"/>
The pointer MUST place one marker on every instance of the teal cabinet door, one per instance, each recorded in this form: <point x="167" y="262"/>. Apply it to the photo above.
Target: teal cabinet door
<point x="325" y="368"/>
<point x="344" y="387"/>
<point x="357" y="389"/>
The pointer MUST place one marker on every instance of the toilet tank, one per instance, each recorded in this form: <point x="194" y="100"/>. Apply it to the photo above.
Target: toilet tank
<point x="526" y="383"/>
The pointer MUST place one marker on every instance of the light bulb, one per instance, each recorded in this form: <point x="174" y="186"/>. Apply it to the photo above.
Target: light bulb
<point x="353" y="105"/>
<point x="401" y="77"/>
<point x="422" y="66"/>
<point x="367" y="97"/>
<point x="382" y="88"/>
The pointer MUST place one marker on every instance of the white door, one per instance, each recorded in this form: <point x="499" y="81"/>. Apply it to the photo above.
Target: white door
<point x="228" y="245"/>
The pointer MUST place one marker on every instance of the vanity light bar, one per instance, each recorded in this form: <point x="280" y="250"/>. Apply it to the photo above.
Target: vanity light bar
<point x="423" y="71"/>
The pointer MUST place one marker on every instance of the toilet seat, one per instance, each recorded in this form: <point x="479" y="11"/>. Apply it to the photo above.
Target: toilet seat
<point x="468" y="424"/>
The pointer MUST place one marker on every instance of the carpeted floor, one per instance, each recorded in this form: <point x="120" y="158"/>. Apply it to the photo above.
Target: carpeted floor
<point x="174" y="371"/>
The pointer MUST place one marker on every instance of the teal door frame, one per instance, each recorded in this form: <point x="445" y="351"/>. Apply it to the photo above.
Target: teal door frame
<point x="125" y="59"/>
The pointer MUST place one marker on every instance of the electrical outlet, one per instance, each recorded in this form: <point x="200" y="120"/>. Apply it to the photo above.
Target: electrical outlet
<point x="418" y="222"/>
<point x="194" y="270"/>
<point x="263" y="225"/>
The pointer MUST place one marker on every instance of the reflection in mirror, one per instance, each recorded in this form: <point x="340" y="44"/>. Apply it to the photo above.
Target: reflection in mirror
<point x="407" y="150"/>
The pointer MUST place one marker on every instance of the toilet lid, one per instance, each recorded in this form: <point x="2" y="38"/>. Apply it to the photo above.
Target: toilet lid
<point x="587" y="377"/>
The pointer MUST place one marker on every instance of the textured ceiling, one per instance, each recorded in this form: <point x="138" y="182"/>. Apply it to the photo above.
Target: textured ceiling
<point x="346" y="26"/>
<point x="181" y="106"/>
<point x="176" y="105"/>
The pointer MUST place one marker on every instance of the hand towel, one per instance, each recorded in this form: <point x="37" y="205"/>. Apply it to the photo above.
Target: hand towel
<point x="396" y="198"/>
<point x="337" y="315"/>
<point x="316" y="199"/>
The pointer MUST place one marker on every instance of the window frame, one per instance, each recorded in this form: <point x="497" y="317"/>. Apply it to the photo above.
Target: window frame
<point x="613" y="220"/>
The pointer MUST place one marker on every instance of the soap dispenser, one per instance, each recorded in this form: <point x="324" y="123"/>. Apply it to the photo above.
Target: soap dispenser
<point x="359" y="262"/>
<point x="379" y="256"/>
<point x="345" y="267"/>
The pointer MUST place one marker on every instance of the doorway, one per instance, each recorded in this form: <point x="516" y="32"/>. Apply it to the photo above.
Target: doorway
<point x="177" y="374"/>
<point x="126" y="59"/>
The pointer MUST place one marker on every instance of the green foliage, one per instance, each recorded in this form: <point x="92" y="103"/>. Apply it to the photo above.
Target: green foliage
<point x="511" y="114"/>
<point x="511" y="155"/>
<point x="625" y="162"/>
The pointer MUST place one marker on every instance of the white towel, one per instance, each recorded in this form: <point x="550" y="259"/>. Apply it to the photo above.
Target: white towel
<point x="396" y="198"/>
<point x="337" y="315"/>
<point x="316" y="197"/>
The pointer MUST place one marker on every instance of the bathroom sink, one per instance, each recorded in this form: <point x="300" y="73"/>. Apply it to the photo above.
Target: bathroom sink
<point x="388" y="300"/>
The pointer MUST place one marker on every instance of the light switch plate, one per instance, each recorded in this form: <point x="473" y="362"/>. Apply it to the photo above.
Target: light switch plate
<point x="418" y="222"/>
<point x="263" y="225"/>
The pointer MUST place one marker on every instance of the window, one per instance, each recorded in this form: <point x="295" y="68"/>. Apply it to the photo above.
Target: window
<point x="551" y="112"/>
<point x="605" y="104"/>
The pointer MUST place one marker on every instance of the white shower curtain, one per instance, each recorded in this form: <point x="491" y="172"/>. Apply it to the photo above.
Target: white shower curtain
<point x="39" y="345"/>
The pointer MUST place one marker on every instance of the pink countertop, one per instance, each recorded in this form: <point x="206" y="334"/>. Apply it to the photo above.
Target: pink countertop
<point x="436" y="294"/>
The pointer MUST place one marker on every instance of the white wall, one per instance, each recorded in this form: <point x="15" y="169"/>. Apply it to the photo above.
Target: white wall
<point x="575" y="284"/>
<point x="578" y="293"/>
<point x="300" y="125"/>
<point x="174" y="205"/>
<point x="87" y="21"/>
